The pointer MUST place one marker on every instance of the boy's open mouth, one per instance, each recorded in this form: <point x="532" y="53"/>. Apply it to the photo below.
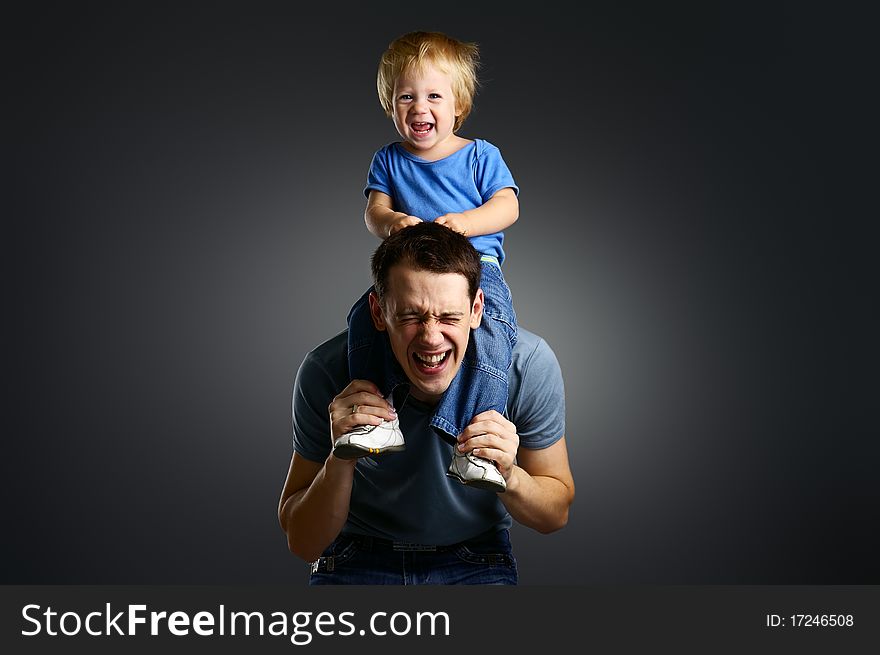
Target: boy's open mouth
<point x="422" y="129"/>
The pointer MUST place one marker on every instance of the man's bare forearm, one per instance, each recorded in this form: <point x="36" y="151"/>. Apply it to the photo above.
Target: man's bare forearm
<point x="314" y="516"/>
<point x="538" y="502"/>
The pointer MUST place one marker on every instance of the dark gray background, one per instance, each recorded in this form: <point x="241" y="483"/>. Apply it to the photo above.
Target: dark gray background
<point x="184" y="221"/>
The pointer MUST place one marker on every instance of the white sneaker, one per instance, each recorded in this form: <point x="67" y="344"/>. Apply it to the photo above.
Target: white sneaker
<point x="370" y="440"/>
<point x="477" y="472"/>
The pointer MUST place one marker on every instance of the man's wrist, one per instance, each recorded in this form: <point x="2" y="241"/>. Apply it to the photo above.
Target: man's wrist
<point x="337" y="465"/>
<point x="514" y="479"/>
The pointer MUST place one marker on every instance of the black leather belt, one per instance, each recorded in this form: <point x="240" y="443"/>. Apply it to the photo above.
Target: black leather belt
<point x="376" y="543"/>
<point x="365" y="542"/>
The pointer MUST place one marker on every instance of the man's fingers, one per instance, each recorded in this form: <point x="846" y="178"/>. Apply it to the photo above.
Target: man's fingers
<point x="365" y="398"/>
<point x="354" y="387"/>
<point x="488" y="421"/>
<point x="498" y="456"/>
<point x="358" y="413"/>
<point x="345" y="422"/>
<point x="488" y="415"/>
<point x="351" y="421"/>
<point x="483" y="441"/>
<point x="484" y="427"/>
<point x="353" y="403"/>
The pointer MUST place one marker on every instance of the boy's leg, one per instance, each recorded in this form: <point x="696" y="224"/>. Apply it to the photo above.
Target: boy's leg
<point x="370" y="358"/>
<point x="481" y="383"/>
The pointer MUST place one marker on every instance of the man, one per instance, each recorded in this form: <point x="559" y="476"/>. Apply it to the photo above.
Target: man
<point x="396" y="517"/>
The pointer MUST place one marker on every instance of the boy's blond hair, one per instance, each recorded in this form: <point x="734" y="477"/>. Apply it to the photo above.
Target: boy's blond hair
<point x="412" y="51"/>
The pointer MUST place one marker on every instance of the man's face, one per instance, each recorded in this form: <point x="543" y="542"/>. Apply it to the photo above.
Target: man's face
<point x="428" y="317"/>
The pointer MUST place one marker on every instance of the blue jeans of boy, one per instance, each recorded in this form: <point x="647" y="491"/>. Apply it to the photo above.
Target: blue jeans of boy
<point x="361" y="560"/>
<point x="480" y="384"/>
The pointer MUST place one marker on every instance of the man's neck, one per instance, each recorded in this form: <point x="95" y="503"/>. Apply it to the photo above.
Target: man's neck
<point x="425" y="399"/>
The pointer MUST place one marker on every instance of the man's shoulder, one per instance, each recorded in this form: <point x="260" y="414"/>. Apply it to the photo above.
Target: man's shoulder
<point x="536" y="394"/>
<point x="529" y="345"/>
<point x="331" y="357"/>
<point x="533" y="363"/>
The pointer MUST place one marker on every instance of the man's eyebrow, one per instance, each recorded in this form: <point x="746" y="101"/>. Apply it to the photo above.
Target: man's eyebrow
<point x="406" y="313"/>
<point x="403" y="313"/>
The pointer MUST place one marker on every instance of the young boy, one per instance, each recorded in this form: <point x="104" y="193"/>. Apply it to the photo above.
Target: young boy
<point x="426" y="85"/>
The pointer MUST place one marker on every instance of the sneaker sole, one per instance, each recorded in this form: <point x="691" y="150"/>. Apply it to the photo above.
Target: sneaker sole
<point x="485" y="485"/>
<point x="352" y="451"/>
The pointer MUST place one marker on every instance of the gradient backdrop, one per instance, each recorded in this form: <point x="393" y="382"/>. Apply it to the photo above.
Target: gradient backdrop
<point x="184" y="222"/>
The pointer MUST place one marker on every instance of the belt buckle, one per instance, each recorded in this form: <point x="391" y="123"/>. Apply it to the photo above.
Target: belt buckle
<point x="316" y="565"/>
<point x="405" y="546"/>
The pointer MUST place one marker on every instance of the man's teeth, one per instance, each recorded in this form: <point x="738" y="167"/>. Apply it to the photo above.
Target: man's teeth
<point x="431" y="360"/>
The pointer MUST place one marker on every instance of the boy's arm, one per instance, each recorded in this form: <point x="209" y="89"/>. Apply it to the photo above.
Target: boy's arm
<point x="497" y="213"/>
<point x="380" y="217"/>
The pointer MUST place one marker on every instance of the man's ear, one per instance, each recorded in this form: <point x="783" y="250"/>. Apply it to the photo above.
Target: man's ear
<point x="376" y="312"/>
<point x="477" y="310"/>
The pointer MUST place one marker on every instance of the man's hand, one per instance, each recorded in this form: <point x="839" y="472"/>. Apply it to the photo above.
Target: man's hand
<point x="491" y="436"/>
<point x="457" y="222"/>
<point x="360" y="403"/>
<point x="401" y="223"/>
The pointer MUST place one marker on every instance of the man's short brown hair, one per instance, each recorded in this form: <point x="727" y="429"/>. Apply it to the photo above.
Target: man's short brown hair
<point x="427" y="246"/>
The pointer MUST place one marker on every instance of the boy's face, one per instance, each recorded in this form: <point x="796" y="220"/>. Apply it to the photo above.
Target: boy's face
<point x="424" y="112"/>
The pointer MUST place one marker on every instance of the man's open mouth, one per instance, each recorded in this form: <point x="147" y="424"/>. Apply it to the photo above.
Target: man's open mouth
<point x="431" y="361"/>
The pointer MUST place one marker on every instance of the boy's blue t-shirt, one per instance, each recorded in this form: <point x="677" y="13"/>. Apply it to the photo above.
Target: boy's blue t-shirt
<point x="427" y="189"/>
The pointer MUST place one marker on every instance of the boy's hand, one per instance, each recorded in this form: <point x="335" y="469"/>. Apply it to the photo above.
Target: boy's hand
<point x="456" y="222"/>
<point x="401" y="223"/>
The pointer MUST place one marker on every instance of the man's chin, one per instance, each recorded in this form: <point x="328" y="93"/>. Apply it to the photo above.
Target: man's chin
<point x="429" y="393"/>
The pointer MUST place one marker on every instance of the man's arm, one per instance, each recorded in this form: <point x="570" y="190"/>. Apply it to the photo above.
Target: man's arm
<point x="314" y="503"/>
<point x="540" y="487"/>
<point x="316" y="496"/>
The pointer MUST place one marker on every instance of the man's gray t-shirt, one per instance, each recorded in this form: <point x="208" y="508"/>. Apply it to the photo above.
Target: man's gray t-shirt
<point x="407" y="496"/>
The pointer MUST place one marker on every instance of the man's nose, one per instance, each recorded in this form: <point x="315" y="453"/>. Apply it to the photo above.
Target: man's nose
<point x="431" y="335"/>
